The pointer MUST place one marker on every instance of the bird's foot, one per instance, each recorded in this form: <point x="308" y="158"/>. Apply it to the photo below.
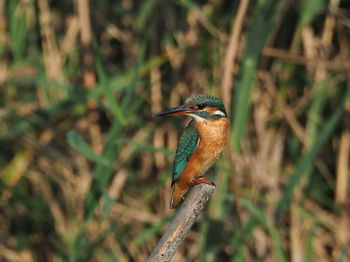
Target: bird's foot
<point x="202" y="180"/>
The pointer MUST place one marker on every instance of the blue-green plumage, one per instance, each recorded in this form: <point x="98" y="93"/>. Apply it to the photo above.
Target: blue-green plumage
<point x="187" y="145"/>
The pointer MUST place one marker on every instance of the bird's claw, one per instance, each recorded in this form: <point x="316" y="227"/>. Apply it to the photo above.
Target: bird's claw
<point x="202" y="180"/>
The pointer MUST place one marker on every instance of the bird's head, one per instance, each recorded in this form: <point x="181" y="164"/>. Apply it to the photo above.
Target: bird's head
<point x="200" y="107"/>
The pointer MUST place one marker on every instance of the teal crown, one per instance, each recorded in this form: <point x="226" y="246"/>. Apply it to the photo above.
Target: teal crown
<point x="205" y="100"/>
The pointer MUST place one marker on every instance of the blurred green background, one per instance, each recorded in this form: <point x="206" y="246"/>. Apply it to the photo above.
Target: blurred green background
<point x="85" y="170"/>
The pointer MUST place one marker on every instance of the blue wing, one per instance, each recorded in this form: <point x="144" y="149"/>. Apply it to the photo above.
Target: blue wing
<point x="187" y="145"/>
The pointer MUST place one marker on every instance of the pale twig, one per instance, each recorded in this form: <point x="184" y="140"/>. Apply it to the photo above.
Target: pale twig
<point x="337" y="64"/>
<point x="231" y="54"/>
<point x="182" y="223"/>
<point x="89" y="77"/>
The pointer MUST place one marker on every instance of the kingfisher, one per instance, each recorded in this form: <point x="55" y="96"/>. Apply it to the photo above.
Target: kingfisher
<point x="200" y="144"/>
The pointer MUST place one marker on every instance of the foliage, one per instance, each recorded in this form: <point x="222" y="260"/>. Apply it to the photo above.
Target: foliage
<point x="85" y="170"/>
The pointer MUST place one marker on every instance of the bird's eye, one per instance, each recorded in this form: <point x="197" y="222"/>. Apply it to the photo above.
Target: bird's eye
<point x="201" y="106"/>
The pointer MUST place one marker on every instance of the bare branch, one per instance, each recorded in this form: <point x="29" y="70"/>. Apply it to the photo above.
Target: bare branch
<point x="182" y="223"/>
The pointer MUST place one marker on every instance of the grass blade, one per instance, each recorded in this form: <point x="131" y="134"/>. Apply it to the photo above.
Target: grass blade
<point x="305" y="161"/>
<point x="265" y="18"/>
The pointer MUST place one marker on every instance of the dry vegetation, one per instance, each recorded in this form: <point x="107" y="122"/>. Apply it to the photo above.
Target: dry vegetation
<point x="85" y="170"/>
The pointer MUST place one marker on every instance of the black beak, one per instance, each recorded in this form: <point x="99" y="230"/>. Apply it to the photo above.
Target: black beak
<point x="179" y="110"/>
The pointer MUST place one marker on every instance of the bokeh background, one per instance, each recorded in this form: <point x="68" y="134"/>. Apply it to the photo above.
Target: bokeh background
<point x="85" y="171"/>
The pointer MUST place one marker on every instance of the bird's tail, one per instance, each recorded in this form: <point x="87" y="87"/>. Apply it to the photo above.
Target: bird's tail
<point x="178" y="192"/>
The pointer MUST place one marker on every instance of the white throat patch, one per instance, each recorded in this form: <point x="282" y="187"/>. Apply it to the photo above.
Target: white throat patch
<point x="197" y="118"/>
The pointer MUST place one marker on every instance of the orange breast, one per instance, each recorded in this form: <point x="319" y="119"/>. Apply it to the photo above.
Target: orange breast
<point x="213" y="135"/>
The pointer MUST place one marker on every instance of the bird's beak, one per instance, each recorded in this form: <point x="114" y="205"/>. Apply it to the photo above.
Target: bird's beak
<point x="179" y="110"/>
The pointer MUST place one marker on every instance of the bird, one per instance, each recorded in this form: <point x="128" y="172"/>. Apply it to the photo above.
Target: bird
<point x="200" y="144"/>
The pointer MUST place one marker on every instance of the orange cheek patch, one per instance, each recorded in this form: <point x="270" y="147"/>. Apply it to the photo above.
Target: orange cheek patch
<point x="210" y="110"/>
